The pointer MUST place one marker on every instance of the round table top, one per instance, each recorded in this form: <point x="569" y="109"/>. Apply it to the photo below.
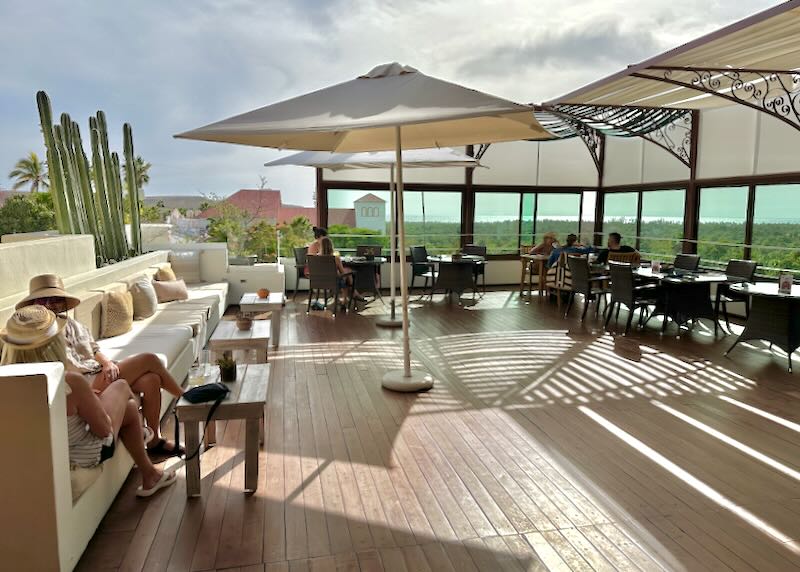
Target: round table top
<point x="765" y="289"/>
<point x="465" y="258"/>
<point x="363" y="261"/>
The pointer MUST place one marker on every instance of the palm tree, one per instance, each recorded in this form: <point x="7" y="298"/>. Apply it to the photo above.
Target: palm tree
<point x="30" y="171"/>
<point x="142" y="174"/>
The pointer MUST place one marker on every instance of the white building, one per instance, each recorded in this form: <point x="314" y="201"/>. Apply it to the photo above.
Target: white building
<point x="371" y="212"/>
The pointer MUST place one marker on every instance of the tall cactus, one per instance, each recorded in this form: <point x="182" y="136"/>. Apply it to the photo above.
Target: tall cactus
<point x="88" y="197"/>
<point x="133" y="188"/>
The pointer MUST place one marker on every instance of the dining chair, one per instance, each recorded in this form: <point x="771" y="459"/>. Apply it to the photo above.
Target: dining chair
<point x="369" y="250"/>
<point x="740" y="271"/>
<point x="454" y="277"/>
<point x="324" y="277"/>
<point x="586" y="284"/>
<point x="300" y="255"/>
<point x="526" y="267"/>
<point x="421" y="267"/>
<point x="689" y="262"/>
<point x="633" y="258"/>
<point x="479" y="268"/>
<point x="624" y="292"/>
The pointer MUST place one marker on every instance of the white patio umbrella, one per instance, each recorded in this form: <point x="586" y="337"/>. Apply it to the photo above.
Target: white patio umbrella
<point x="417" y="158"/>
<point x="391" y="107"/>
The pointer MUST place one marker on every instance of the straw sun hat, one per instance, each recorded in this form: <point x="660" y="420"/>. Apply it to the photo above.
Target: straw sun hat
<point x="31" y="327"/>
<point x="47" y="286"/>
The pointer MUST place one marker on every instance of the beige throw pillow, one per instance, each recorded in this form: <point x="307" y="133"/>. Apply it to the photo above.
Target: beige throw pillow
<point x="186" y="264"/>
<point x="169" y="291"/>
<point x="165" y="274"/>
<point x="145" y="301"/>
<point x="117" y="314"/>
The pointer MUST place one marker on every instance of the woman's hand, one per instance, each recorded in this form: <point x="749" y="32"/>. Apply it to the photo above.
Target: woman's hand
<point x="110" y="371"/>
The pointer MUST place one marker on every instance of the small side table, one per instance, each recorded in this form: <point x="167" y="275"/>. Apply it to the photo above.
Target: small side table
<point x="246" y="401"/>
<point x="252" y="304"/>
<point x="227" y="336"/>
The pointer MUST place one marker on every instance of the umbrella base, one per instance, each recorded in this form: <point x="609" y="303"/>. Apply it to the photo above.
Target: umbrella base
<point x="396" y="380"/>
<point x="389" y="322"/>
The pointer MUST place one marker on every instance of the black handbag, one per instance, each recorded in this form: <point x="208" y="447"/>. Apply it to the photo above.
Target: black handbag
<point x="216" y="392"/>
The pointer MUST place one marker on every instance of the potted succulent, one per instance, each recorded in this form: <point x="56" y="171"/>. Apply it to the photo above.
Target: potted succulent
<point x="227" y="367"/>
<point x="244" y="322"/>
<point x="263" y="293"/>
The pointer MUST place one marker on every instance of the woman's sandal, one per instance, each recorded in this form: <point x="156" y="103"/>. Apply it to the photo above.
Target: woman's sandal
<point x="160" y="450"/>
<point x="167" y="478"/>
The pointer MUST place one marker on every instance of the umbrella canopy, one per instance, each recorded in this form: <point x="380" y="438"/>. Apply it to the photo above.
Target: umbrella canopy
<point x="362" y="114"/>
<point x="420" y="158"/>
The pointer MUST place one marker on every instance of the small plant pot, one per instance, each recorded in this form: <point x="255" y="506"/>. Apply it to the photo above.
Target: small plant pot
<point x="244" y="323"/>
<point x="227" y="373"/>
<point x="263" y="293"/>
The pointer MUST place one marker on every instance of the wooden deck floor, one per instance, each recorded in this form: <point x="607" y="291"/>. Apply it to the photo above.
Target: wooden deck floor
<point x="544" y="445"/>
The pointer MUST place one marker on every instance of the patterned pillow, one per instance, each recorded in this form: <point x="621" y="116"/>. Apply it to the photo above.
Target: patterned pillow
<point x="169" y="291"/>
<point x="117" y="314"/>
<point x="165" y="273"/>
<point x="144" y="297"/>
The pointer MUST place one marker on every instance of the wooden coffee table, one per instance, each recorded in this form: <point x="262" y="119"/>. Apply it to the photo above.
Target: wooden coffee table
<point x="252" y="304"/>
<point x="246" y="401"/>
<point x="228" y="337"/>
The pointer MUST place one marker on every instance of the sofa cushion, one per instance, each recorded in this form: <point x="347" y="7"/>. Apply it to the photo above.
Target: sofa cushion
<point x="168" y="291"/>
<point x="117" y="314"/>
<point x="145" y="302"/>
<point x="194" y="317"/>
<point x="186" y="265"/>
<point x="81" y="478"/>
<point x="165" y="273"/>
<point x="166" y="341"/>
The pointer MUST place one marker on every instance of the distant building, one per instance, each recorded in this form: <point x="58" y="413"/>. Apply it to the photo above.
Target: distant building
<point x="5" y="195"/>
<point x="371" y="212"/>
<point x="266" y="205"/>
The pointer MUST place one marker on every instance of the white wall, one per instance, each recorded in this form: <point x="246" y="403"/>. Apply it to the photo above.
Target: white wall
<point x="515" y="163"/>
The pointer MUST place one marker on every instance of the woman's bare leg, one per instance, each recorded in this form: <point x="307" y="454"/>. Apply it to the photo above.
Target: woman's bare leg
<point x="149" y="387"/>
<point x="134" y="367"/>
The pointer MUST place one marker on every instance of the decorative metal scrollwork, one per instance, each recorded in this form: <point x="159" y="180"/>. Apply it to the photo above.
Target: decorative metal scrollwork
<point x="676" y="138"/>
<point x="482" y="148"/>
<point x="775" y="92"/>
<point x="590" y="136"/>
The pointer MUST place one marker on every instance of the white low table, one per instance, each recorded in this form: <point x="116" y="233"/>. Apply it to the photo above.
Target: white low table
<point x="228" y="337"/>
<point x="252" y="304"/>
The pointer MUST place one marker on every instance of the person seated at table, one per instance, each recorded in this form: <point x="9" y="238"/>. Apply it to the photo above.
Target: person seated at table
<point x="34" y="334"/>
<point x="545" y="248"/>
<point x="572" y="246"/>
<point x="345" y="274"/>
<point x="614" y="244"/>
<point x="315" y="246"/>
<point x="144" y="372"/>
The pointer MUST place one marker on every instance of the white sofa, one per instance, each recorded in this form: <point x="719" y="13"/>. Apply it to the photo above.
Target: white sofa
<point x="56" y="510"/>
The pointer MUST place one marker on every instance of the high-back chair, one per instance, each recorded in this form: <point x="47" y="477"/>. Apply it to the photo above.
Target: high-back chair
<point x="559" y="278"/>
<point x="591" y="287"/>
<point x="738" y="270"/>
<point x="421" y="267"/>
<point x="632" y="258"/>
<point x="625" y="293"/>
<point x="300" y="256"/>
<point x="323" y="277"/>
<point x="689" y="262"/>
<point x="478" y="269"/>
<point x="454" y="277"/>
<point x="525" y="269"/>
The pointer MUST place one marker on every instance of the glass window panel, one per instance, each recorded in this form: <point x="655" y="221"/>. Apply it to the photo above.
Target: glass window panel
<point x="528" y="208"/>
<point x="723" y="211"/>
<point x="497" y="222"/>
<point x="619" y="215"/>
<point x="587" y="217"/>
<point x="433" y="219"/>
<point x="776" y="228"/>
<point x="559" y="213"/>
<point x="662" y="223"/>
<point x="358" y="217"/>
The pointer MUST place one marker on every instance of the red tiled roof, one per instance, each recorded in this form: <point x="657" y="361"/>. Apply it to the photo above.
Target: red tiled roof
<point x="370" y="198"/>
<point x="342" y="216"/>
<point x="260" y="203"/>
<point x="5" y="195"/>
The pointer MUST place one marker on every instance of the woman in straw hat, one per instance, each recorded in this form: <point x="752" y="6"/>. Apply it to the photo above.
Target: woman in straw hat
<point x="34" y="334"/>
<point x="144" y="372"/>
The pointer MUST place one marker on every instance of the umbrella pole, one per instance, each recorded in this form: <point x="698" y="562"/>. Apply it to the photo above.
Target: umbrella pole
<point x="391" y="321"/>
<point x="407" y="379"/>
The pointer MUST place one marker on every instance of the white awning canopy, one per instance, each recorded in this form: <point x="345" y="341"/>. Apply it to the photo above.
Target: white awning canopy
<point x="419" y="158"/>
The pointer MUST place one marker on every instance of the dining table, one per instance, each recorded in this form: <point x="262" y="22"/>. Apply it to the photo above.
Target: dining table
<point x="531" y="262"/>
<point x="462" y="278"/>
<point x="774" y="316"/>
<point x="366" y="271"/>
<point x="684" y="296"/>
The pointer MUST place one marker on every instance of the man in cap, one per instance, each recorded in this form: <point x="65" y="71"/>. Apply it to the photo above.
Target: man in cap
<point x="144" y="372"/>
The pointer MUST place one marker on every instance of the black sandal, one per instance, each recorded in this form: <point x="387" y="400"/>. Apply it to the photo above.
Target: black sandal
<point x="160" y="450"/>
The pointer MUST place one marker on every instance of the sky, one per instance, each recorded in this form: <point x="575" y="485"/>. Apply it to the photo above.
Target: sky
<point x="167" y="67"/>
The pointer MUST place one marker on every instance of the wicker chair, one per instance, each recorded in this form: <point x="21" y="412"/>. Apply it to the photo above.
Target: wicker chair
<point x="324" y="277"/>
<point x="369" y="250"/>
<point x="454" y="277"/>
<point x="479" y="269"/>
<point x="624" y="292"/>
<point x="525" y="274"/>
<point x="584" y="283"/>
<point x="632" y="258"/>
<point x="739" y="270"/>
<point x="559" y="278"/>
<point x="300" y="255"/>
<point x="420" y="267"/>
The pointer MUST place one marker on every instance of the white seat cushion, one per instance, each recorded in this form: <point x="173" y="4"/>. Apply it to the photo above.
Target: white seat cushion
<point x="167" y="342"/>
